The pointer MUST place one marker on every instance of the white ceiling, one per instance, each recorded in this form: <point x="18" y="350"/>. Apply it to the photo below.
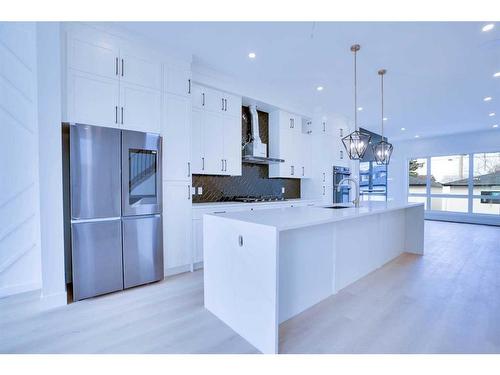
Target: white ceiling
<point x="438" y="73"/>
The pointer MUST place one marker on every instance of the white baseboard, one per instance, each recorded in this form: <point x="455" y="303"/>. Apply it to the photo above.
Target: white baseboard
<point x="181" y="269"/>
<point x="52" y="301"/>
<point x="18" y="288"/>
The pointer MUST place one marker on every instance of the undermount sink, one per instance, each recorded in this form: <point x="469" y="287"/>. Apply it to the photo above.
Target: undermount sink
<point x="338" y="207"/>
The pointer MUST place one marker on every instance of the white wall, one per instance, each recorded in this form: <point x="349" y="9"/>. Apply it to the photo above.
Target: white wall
<point x="485" y="141"/>
<point x="50" y="163"/>
<point x="20" y="268"/>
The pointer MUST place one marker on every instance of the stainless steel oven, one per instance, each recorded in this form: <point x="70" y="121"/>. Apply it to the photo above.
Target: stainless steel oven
<point x="141" y="173"/>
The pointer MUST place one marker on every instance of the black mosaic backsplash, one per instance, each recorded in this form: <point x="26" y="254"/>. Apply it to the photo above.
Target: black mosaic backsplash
<point x="254" y="180"/>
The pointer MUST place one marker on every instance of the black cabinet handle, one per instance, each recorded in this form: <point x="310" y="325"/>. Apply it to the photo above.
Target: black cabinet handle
<point x="222" y="104"/>
<point x="122" y="67"/>
<point x="202" y="164"/>
<point x="189" y="169"/>
<point x="189" y="192"/>
<point x="122" y="115"/>
<point x="225" y="101"/>
<point x="303" y="169"/>
<point x="189" y="86"/>
<point x="203" y="99"/>
<point x="116" y="114"/>
<point x="116" y="66"/>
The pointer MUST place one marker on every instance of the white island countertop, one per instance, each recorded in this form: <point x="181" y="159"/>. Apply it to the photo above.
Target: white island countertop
<point x="287" y="218"/>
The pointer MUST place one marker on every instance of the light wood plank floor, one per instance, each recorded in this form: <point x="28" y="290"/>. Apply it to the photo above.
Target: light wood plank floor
<point x="445" y="302"/>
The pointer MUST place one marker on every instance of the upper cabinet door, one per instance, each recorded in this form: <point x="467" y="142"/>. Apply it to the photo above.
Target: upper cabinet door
<point x="232" y="146"/>
<point x="92" y="99"/>
<point x="176" y="131"/>
<point x="93" y="52"/>
<point x="213" y="138"/>
<point x="197" y="142"/>
<point x="177" y="80"/>
<point x="232" y="105"/>
<point x="198" y="96"/>
<point x="137" y="67"/>
<point x="140" y="108"/>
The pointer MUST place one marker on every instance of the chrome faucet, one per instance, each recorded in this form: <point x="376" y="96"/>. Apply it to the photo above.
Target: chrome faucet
<point x="356" y="183"/>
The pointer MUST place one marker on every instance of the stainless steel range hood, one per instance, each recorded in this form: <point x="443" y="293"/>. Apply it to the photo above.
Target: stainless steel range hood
<point x="260" y="160"/>
<point x="255" y="152"/>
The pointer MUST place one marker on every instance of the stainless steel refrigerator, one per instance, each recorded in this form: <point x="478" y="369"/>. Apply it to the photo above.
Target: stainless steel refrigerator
<point x="115" y="208"/>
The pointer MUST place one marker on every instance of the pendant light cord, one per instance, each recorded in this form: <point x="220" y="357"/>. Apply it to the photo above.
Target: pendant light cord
<point x="355" y="93"/>
<point x="382" y="86"/>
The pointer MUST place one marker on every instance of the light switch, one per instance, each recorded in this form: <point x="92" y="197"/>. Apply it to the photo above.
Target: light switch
<point x="193" y="190"/>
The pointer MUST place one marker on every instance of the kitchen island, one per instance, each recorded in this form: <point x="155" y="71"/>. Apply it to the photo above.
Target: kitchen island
<point x="264" y="267"/>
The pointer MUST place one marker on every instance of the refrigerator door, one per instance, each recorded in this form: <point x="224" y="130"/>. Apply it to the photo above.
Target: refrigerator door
<point x="94" y="172"/>
<point x="96" y="258"/>
<point x="141" y="173"/>
<point x="142" y="250"/>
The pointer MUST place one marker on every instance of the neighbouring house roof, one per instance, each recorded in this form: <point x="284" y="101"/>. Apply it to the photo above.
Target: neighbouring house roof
<point x="490" y="179"/>
<point x="421" y="180"/>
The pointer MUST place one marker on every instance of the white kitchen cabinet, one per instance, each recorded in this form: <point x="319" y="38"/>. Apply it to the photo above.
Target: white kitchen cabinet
<point x="177" y="225"/>
<point x="92" y="52"/>
<point x="137" y="67"/>
<point x="140" y="108"/>
<point x="197" y="228"/>
<point x="216" y="133"/>
<point x="177" y="80"/>
<point x="92" y="99"/>
<point x="232" y="146"/>
<point x="285" y="142"/>
<point x="305" y="160"/>
<point x="176" y="132"/>
<point x="111" y="82"/>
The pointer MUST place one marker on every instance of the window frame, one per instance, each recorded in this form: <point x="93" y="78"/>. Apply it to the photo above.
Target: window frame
<point x="428" y="194"/>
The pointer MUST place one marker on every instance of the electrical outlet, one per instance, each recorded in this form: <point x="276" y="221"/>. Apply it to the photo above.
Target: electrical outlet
<point x="193" y="190"/>
<point x="200" y="190"/>
<point x="282" y="190"/>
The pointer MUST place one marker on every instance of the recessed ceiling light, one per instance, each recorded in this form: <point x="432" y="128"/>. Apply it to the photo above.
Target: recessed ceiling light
<point x="252" y="55"/>
<point x="385" y="118"/>
<point x="488" y="27"/>
<point x="492" y="114"/>
<point x="487" y="98"/>
<point x="320" y="88"/>
<point x="495" y="126"/>
<point x="360" y="108"/>
<point x="417" y="136"/>
<point x="403" y="129"/>
<point x="496" y="75"/>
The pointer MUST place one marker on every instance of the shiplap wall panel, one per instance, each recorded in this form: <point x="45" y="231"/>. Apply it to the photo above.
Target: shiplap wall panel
<point x="20" y="266"/>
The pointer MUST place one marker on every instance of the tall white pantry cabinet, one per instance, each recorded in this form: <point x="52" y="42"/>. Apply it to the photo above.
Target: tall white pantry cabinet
<point x="114" y="81"/>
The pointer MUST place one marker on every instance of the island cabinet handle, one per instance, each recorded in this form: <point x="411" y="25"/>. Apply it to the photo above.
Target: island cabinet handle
<point x="240" y="240"/>
<point x="219" y="212"/>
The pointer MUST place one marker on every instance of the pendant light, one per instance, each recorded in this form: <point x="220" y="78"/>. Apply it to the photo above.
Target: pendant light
<point x="382" y="150"/>
<point x="356" y="142"/>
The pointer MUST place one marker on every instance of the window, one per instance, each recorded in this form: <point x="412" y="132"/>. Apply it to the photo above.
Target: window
<point x="373" y="181"/>
<point x="467" y="183"/>
<point x="417" y="176"/>
<point x="450" y="175"/>
<point x="486" y="183"/>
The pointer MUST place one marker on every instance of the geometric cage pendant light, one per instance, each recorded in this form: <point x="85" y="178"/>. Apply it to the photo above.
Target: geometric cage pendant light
<point x="382" y="150"/>
<point x="357" y="142"/>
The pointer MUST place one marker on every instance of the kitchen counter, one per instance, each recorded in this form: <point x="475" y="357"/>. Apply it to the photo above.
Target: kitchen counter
<point x="232" y="204"/>
<point x="287" y="218"/>
<point x="263" y="267"/>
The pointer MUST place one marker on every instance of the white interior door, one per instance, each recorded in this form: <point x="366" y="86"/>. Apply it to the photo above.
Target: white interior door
<point x="92" y="99"/>
<point x="176" y="132"/>
<point x="140" y="108"/>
